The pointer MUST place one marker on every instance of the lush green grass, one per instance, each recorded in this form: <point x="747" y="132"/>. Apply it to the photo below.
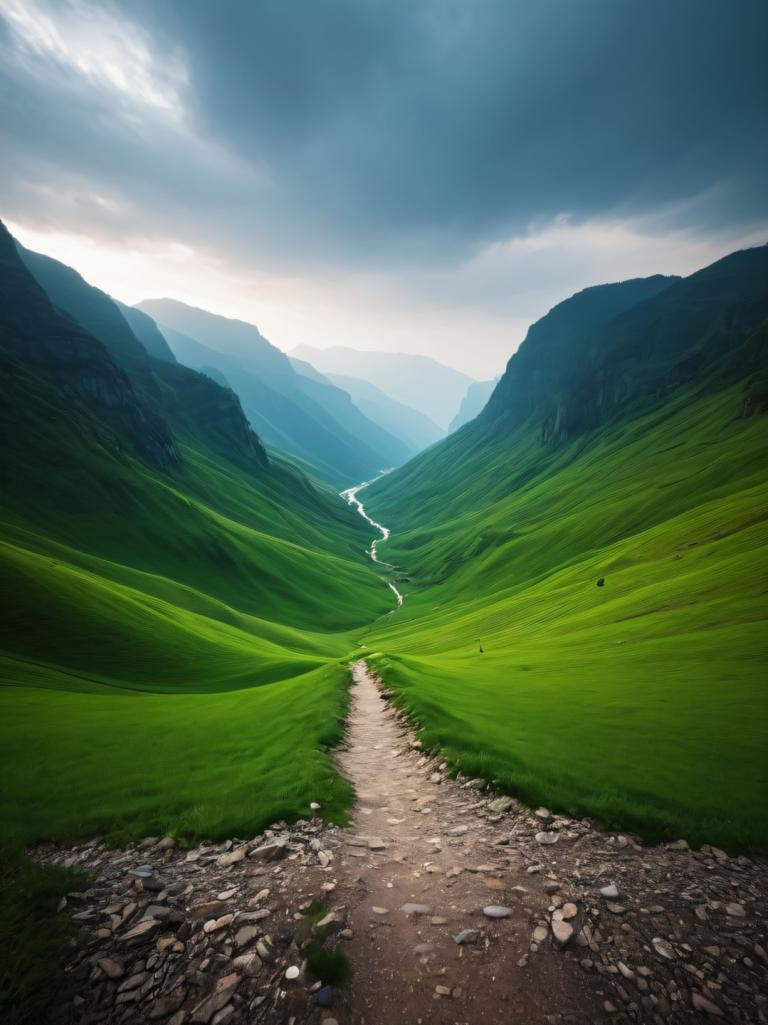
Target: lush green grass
<point x="103" y="760"/>
<point x="32" y="977"/>
<point x="642" y="702"/>
<point x="173" y="647"/>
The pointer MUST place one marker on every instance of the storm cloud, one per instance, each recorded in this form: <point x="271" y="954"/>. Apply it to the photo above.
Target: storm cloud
<point x="323" y="137"/>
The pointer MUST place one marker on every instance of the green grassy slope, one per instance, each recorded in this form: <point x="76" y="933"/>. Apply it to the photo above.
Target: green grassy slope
<point x="642" y="702"/>
<point x="230" y="595"/>
<point x="171" y="644"/>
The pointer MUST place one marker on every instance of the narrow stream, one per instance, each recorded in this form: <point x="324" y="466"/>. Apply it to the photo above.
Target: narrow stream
<point x="350" y="496"/>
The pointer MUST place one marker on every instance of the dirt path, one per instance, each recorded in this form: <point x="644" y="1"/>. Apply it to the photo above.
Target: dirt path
<point x="597" y="928"/>
<point x="424" y="844"/>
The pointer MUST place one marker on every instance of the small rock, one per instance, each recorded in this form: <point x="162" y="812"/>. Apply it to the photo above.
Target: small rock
<point x="142" y="871"/>
<point x="701" y="1003"/>
<point x="501" y="804"/>
<point x="376" y="844"/>
<point x="324" y="996"/>
<point x="214" y="924"/>
<point x="416" y="909"/>
<point x="443" y="991"/>
<point x="292" y="972"/>
<point x="735" y="910"/>
<point x="271" y="851"/>
<point x="547" y="838"/>
<point x="663" y="948"/>
<point x="111" y="967"/>
<point x="144" y="928"/>
<point x="562" y="931"/>
<point x="379" y="911"/>
<point x="232" y="857"/>
<point x="467" y="936"/>
<point x="569" y="911"/>
<point x="497" y="911"/>
<point x="611" y="891"/>
<point x="315" y="806"/>
<point x="248" y="964"/>
<point x="245" y="935"/>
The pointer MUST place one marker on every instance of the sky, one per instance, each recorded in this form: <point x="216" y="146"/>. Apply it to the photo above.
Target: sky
<point x="421" y="176"/>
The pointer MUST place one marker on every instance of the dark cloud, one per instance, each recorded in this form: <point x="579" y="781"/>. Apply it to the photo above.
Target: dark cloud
<point x="400" y="130"/>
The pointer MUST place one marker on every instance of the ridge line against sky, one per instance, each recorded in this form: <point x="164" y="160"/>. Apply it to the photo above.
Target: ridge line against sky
<point x="428" y="178"/>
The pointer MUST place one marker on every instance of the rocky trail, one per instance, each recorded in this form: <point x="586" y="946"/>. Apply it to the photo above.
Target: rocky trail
<point x="454" y="906"/>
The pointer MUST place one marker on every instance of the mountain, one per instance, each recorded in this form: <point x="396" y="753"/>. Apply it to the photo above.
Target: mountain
<point x="184" y="400"/>
<point x="414" y="428"/>
<point x="39" y="342"/>
<point x="147" y="331"/>
<point x="183" y="608"/>
<point x="416" y="381"/>
<point x="582" y="563"/>
<point x="473" y="403"/>
<point x="305" y="417"/>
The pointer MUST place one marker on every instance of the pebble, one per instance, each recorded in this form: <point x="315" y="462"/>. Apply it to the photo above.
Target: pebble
<point x="497" y="911"/>
<point x="562" y="931"/>
<point x="232" y="857"/>
<point x="292" y="972"/>
<point x="501" y="804"/>
<point x="143" y="871"/>
<point x="467" y="936"/>
<point x="324" y="996"/>
<point x="547" y="838"/>
<point x="701" y="1003"/>
<point x="379" y="911"/>
<point x="663" y="948"/>
<point x="416" y="909"/>
<point x="111" y="967"/>
<point x="611" y="892"/>
<point x="735" y="910"/>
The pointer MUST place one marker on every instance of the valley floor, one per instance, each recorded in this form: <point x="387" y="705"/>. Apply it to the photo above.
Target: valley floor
<point x="451" y="905"/>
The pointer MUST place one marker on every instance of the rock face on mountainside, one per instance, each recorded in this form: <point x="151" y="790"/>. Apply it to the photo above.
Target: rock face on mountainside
<point x="613" y="347"/>
<point x="473" y="403"/>
<point x="41" y="340"/>
<point x="554" y="351"/>
<point x="189" y="403"/>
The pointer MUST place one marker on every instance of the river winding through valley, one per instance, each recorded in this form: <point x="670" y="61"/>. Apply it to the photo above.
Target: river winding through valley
<point x="350" y="496"/>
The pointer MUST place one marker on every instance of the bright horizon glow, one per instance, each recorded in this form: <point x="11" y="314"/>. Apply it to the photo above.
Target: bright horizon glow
<point x="366" y="312"/>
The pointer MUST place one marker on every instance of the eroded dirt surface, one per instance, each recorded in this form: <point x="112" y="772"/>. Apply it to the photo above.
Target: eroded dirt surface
<point x="597" y="927"/>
